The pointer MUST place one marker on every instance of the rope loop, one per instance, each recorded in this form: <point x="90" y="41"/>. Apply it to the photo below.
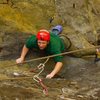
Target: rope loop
<point x="40" y="66"/>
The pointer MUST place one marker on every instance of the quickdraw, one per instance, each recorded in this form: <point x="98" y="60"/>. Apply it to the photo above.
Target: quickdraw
<point x="38" y="79"/>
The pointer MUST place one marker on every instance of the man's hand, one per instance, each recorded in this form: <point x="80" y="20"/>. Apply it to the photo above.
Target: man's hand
<point x="19" y="60"/>
<point x="49" y="76"/>
<point x="23" y="54"/>
<point x="57" y="68"/>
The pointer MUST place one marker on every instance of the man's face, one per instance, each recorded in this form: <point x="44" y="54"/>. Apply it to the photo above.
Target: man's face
<point x="42" y="44"/>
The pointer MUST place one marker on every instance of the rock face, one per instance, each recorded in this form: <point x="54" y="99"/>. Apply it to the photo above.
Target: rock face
<point x="17" y="21"/>
<point x="81" y="23"/>
<point x="11" y="44"/>
<point x="80" y="20"/>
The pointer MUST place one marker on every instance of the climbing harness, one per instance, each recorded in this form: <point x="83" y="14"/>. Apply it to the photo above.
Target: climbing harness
<point x="38" y="79"/>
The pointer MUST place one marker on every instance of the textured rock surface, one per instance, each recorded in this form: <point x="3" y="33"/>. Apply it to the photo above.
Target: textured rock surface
<point x="81" y="22"/>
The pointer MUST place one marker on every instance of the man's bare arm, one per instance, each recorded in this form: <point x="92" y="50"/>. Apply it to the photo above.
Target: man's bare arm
<point x="23" y="54"/>
<point x="57" y="68"/>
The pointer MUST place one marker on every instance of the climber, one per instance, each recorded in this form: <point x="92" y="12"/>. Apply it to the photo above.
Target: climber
<point x="50" y="42"/>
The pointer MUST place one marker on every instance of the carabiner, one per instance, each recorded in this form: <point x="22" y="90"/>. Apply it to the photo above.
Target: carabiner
<point x="40" y="66"/>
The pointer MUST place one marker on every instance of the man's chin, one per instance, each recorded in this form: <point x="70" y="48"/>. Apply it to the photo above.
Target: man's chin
<point x="41" y="48"/>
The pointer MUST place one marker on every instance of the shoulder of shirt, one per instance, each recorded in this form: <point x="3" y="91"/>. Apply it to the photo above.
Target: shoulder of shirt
<point x="32" y="36"/>
<point x="52" y="35"/>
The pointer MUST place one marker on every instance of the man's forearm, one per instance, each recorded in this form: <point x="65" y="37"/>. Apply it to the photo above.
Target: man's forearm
<point x="24" y="52"/>
<point x="57" y="68"/>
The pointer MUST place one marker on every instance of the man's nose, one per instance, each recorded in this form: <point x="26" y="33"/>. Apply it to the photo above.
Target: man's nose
<point x="41" y="44"/>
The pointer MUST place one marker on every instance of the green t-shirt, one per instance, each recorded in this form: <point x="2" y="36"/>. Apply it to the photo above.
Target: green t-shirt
<point x="55" y="46"/>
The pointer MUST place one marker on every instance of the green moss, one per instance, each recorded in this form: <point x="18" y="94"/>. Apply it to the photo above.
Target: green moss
<point x="27" y="16"/>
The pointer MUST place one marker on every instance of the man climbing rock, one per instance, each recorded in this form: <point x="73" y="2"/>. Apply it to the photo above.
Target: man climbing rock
<point x="50" y="42"/>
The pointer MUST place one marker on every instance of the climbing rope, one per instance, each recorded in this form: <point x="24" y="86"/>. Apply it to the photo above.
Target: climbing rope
<point x="45" y="62"/>
<point x="51" y="56"/>
<point x="65" y="53"/>
<point x="90" y="7"/>
<point x="35" y="77"/>
<point x="41" y="68"/>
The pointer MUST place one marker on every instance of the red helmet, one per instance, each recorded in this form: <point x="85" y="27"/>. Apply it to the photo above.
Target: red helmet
<point x="43" y="35"/>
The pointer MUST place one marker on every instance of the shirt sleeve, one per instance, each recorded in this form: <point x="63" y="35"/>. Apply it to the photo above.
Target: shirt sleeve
<point x="58" y="58"/>
<point x="30" y="42"/>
